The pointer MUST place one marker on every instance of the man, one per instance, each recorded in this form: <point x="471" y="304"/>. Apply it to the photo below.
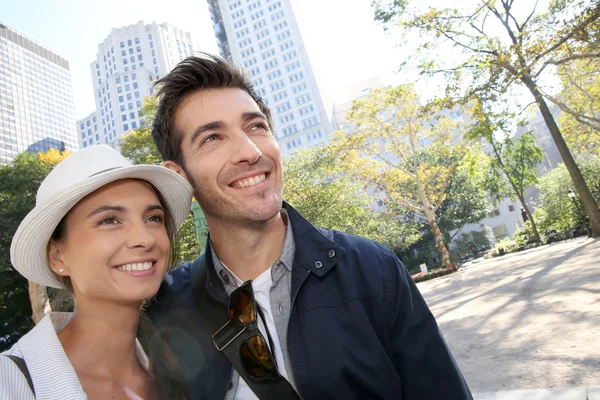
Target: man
<point x="345" y="318"/>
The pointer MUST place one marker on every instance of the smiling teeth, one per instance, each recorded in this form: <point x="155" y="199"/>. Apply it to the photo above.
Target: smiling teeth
<point x="250" y="181"/>
<point x="136" y="267"/>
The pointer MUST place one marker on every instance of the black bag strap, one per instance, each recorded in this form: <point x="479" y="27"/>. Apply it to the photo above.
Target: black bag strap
<point x="24" y="370"/>
<point x="216" y="313"/>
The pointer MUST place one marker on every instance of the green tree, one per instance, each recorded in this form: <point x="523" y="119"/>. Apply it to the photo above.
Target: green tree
<point x="511" y="167"/>
<point x="502" y="46"/>
<point x="138" y="146"/>
<point x="407" y="151"/>
<point x="330" y="199"/>
<point x="465" y="203"/>
<point x="21" y="303"/>
<point x="557" y="210"/>
<point x="579" y="102"/>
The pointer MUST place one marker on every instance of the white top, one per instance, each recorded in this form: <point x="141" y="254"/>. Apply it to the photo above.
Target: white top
<point x="53" y="376"/>
<point x="262" y="290"/>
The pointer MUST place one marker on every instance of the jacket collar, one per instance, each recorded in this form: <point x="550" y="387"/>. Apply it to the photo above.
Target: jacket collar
<point x="315" y="252"/>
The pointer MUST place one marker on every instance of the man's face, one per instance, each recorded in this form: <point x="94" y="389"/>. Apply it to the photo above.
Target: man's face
<point x="230" y="156"/>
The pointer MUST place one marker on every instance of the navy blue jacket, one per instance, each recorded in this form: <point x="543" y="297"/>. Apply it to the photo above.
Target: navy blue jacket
<point x="359" y="328"/>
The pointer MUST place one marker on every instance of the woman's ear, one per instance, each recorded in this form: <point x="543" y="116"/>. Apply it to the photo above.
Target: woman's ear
<point x="55" y="259"/>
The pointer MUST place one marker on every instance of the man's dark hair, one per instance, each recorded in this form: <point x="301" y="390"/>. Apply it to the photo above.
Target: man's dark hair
<point x="195" y="73"/>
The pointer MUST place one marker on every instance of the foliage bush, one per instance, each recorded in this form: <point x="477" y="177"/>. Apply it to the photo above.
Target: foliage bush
<point x="433" y="274"/>
<point x="557" y="210"/>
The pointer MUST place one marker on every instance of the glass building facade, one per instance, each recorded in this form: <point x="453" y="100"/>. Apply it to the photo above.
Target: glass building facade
<point x="36" y="99"/>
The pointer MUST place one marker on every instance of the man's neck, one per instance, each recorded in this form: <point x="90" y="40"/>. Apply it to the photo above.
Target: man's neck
<point x="248" y="251"/>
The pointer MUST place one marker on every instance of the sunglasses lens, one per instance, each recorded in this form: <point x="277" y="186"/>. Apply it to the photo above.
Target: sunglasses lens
<point x="241" y="307"/>
<point x="256" y="357"/>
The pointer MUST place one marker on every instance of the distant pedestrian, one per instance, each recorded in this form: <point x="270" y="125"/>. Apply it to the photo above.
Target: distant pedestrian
<point x="524" y="215"/>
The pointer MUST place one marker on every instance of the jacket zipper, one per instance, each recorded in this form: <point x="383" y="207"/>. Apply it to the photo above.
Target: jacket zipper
<point x="289" y="359"/>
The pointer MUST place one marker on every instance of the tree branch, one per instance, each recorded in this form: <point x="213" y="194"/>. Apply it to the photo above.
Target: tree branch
<point x="592" y="122"/>
<point x="573" y="57"/>
<point x="576" y="29"/>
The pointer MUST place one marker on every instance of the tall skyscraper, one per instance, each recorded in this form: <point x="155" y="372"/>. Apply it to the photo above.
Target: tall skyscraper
<point x="263" y="37"/>
<point x="128" y="62"/>
<point x="37" y="110"/>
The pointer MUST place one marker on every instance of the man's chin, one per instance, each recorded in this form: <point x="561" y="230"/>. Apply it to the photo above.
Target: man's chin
<point x="263" y="211"/>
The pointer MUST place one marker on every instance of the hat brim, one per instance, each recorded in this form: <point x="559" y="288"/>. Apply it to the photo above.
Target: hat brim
<point x="28" y="250"/>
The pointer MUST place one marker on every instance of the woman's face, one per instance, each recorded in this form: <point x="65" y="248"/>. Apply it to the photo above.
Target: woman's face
<point x="115" y="246"/>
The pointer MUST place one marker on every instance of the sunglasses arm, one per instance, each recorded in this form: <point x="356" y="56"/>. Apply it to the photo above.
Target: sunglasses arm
<point x="227" y="334"/>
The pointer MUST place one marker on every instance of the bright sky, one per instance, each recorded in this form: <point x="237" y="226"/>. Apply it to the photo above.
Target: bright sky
<point x="344" y="44"/>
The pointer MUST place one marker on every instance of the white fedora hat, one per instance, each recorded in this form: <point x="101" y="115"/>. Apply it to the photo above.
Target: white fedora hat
<point x="71" y="180"/>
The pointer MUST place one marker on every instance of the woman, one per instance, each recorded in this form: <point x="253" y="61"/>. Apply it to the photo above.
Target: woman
<point x="101" y="229"/>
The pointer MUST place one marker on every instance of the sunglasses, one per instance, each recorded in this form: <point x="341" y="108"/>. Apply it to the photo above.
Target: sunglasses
<point x="255" y="355"/>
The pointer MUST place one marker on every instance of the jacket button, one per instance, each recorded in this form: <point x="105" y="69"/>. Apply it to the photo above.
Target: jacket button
<point x="230" y="385"/>
<point x="331" y="253"/>
<point x="224" y="276"/>
<point x="318" y="264"/>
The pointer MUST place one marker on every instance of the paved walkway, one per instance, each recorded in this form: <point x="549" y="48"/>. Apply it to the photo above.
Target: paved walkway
<point x="583" y="393"/>
<point x="529" y="320"/>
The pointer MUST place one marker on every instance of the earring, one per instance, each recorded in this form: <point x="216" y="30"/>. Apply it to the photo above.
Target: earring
<point x="61" y="270"/>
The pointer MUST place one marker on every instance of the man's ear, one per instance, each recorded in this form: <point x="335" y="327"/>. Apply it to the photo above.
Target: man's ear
<point x="173" y="166"/>
<point x="55" y="259"/>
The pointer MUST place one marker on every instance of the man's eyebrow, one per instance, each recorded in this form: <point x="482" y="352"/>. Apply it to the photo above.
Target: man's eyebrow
<point x="252" y="115"/>
<point x="206" y="127"/>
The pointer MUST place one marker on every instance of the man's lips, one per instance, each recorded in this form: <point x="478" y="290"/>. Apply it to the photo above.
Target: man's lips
<point x="249" y="181"/>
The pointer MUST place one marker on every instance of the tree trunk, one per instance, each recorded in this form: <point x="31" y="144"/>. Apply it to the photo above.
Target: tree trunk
<point x="580" y="185"/>
<point x="40" y="305"/>
<point x="536" y="234"/>
<point x="439" y="240"/>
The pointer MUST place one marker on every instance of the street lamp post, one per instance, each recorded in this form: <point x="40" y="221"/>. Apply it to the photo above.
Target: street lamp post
<point x="571" y="194"/>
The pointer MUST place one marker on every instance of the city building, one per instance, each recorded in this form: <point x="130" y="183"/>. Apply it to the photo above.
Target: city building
<point x="263" y="37"/>
<point x="37" y="110"/>
<point x="342" y="105"/>
<point x="128" y="62"/>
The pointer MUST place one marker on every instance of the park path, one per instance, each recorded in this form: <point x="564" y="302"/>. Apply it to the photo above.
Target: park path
<point x="525" y="320"/>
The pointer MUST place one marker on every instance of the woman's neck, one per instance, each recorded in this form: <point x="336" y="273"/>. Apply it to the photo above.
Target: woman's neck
<point x="100" y="340"/>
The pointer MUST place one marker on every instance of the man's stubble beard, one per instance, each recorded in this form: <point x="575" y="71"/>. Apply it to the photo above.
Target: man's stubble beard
<point x="216" y="208"/>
